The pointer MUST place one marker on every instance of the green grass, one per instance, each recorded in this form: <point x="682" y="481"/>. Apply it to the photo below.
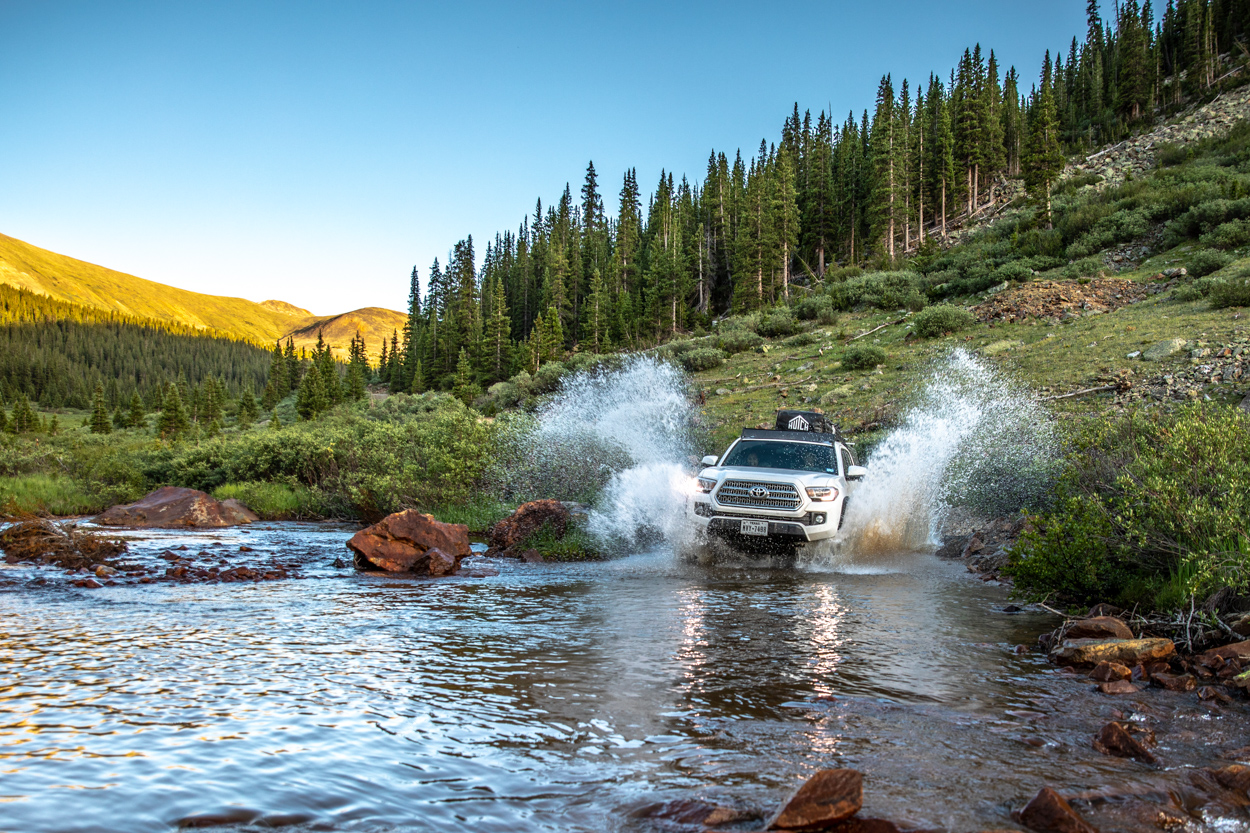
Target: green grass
<point x="34" y="494"/>
<point x="479" y="515"/>
<point x="273" y="501"/>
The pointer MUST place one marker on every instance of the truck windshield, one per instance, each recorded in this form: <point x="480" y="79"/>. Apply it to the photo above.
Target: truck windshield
<point x="772" y="454"/>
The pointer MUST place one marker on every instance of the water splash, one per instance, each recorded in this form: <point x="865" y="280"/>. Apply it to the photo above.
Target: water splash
<point x="973" y="438"/>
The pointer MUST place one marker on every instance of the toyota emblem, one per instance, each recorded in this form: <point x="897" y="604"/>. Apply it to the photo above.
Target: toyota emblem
<point x="759" y="492"/>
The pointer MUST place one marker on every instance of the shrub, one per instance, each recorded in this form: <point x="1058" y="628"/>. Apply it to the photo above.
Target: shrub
<point x="863" y="357"/>
<point x="1206" y="261"/>
<point x="1017" y="270"/>
<point x="738" y="341"/>
<point x="816" y="308"/>
<point x="1234" y="292"/>
<point x="504" y="394"/>
<point x="273" y="501"/>
<point x="778" y="322"/>
<point x="1232" y="235"/>
<point x="548" y="377"/>
<point x="802" y="340"/>
<point x="941" y="319"/>
<point x="703" y="358"/>
<point x="1152" y="510"/>
<point x="885" y="290"/>
<point x="1169" y="155"/>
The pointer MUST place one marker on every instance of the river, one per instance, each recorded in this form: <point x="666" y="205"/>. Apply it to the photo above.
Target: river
<point x="547" y="697"/>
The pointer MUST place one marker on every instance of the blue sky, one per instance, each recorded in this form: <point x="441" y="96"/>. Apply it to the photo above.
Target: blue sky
<point x="315" y="151"/>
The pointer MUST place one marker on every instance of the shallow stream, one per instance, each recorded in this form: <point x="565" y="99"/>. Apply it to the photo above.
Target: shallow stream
<point x="551" y="697"/>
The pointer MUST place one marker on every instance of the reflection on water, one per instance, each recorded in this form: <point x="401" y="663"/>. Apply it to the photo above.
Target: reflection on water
<point x="546" y="698"/>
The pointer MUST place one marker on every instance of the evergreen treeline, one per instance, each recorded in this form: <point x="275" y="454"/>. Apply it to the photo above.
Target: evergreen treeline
<point x="870" y="189"/>
<point x="56" y="354"/>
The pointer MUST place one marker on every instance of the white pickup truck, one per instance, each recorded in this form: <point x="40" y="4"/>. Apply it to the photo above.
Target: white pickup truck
<point x="776" y="490"/>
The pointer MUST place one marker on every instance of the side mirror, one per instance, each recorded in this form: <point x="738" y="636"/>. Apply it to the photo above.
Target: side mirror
<point x="856" y="472"/>
<point x="709" y="460"/>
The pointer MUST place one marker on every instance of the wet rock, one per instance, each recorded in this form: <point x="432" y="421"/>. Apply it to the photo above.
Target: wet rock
<point x="404" y="543"/>
<point x="829" y="796"/>
<point x="1123" y="651"/>
<point x="1115" y="740"/>
<point x="1109" y="672"/>
<point x="527" y="520"/>
<point x="1210" y="693"/>
<point x="88" y="583"/>
<point x="1163" y="350"/>
<point x="1099" y="627"/>
<point x="172" y="507"/>
<point x="532" y="557"/>
<point x="104" y="571"/>
<point x="1238" y="651"/>
<point x="1174" y="682"/>
<point x="693" y="811"/>
<point x="1118" y="687"/>
<point x="1233" y="777"/>
<point x="1048" y="812"/>
<point x="952" y="547"/>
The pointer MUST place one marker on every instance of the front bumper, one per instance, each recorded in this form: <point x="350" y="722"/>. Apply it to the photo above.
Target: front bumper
<point x="812" y="524"/>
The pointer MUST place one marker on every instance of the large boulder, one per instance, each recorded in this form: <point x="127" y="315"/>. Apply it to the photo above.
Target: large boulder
<point x="171" y="507"/>
<point x="1099" y="627"/>
<point x="1124" y="651"/>
<point x="410" y="542"/>
<point x="828" y="797"/>
<point x="525" y="521"/>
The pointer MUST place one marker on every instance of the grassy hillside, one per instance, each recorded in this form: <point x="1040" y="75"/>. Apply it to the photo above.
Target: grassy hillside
<point x="66" y="279"/>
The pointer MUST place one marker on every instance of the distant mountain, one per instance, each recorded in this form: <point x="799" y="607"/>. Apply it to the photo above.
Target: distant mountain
<point x="68" y="279"/>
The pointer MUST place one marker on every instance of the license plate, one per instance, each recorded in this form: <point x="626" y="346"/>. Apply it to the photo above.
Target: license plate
<point x="754" y="527"/>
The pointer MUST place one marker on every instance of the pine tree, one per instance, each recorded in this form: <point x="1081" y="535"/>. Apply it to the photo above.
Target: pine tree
<point x="1044" y="159"/>
<point x="498" y="335"/>
<point x="4" y="420"/>
<point x="358" y="368"/>
<point x="885" y="165"/>
<point x="294" y="368"/>
<point x="173" y="420"/>
<point x="119" y="419"/>
<point x="136" y="418"/>
<point x="279" y="374"/>
<point x="99" y="413"/>
<point x="54" y="425"/>
<point x="597" y="315"/>
<point x="465" y="388"/>
<point x="247" y="408"/>
<point x="275" y="422"/>
<point x="310" y="399"/>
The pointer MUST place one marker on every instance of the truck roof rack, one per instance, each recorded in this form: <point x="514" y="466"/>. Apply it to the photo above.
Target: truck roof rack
<point x="801" y="426"/>
<point x="793" y="436"/>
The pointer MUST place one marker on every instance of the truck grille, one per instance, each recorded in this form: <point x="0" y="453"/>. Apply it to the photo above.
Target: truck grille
<point x="775" y="496"/>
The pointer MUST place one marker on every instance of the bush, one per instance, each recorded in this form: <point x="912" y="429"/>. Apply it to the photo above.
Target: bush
<point x="1152" y="511"/>
<point x="802" y="340"/>
<point x="1017" y="270"/>
<point x="704" y="358"/>
<point x="816" y="308"/>
<point x="1231" y="235"/>
<point x="884" y="290"/>
<point x="863" y="357"/>
<point x="1206" y="261"/>
<point x="273" y="501"/>
<point x="778" y="322"/>
<point x="1234" y="292"/>
<point x="941" y="319"/>
<point x="1196" y="290"/>
<point x="548" y="377"/>
<point x="738" y="341"/>
<point x="504" y="394"/>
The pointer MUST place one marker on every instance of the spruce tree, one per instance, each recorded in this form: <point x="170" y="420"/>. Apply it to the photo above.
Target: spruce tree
<point x="275" y="422"/>
<point x="173" y="419"/>
<point x="465" y="388"/>
<point x="310" y="399"/>
<point x="54" y="425"/>
<point x="136" y="418"/>
<point x="4" y="420"/>
<point x="1044" y="159"/>
<point x="279" y="383"/>
<point x="358" y="369"/>
<point x="119" y="419"/>
<point x="99" y="413"/>
<point x="247" y="407"/>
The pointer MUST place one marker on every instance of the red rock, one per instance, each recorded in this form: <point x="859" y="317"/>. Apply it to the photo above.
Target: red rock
<point x="1238" y="651"/>
<point x="1108" y="672"/>
<point x="1211" y="692"/>
<point x="402" y="543"/>
<point x="171" y="507"/>
<point x="1233" y="777"/>
<point x="1115" y="740"/>
<point x="829" y="796"/>
<point x="532" y="557"/>
<point x="693" y="811"/>
<point x="88" y="583"/>
<point x="1174" y="682"/>
<point x="1099" y="627"/>
<point x="1118" y="687"/>
<point x="526" y="520"/>
<point x="1048" y="812"/>
<point x="1123" y="651"/>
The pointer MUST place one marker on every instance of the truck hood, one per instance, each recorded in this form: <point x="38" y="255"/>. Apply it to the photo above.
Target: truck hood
<point x="809" y="477"/>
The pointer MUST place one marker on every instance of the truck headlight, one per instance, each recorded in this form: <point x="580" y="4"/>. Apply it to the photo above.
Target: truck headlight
<point x="822" y="493"/>
<point x="703" y="485"/>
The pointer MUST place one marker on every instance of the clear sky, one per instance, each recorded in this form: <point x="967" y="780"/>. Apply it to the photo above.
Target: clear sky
<point x="315" y="151"/>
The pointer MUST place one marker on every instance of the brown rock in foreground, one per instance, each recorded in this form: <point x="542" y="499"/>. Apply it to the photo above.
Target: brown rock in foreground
<point x="525" y="521"/>
<point x="410" y="542"/>
<point x="1115" y="740"/>
<point x="1118" y="687"/>
<point x="171" y="507"/>
<point x="1124" y="651"/>
<point x="829" y="796"/>
<point x="1048" y="812"/>
<point x="1109" y="672"/>
<point x="1237" y="651"/>
<point x="1233" y="777"/>
<point x="1099" y="627"/>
